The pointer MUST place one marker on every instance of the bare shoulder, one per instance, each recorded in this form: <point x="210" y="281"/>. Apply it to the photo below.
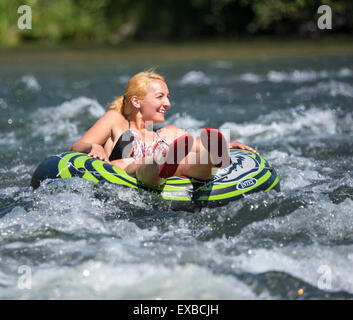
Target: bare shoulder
<point x="111" y="119"/>
<point x="114" y="115"/>
<point x="102" y="129"/>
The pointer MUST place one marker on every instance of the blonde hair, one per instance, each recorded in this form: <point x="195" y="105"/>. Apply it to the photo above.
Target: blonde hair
<point x="137" y="86"/>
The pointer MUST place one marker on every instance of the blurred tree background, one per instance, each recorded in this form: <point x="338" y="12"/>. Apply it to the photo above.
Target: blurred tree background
<point x="115" y="21"/>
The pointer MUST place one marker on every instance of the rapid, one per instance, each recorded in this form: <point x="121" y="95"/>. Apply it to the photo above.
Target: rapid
<point x="75" y="239"/>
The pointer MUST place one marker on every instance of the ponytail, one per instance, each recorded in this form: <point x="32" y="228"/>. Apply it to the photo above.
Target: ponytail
<point x="117" y="104"/>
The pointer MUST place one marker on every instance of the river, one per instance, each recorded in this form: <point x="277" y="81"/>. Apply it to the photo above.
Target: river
<point x="76" y="239"/>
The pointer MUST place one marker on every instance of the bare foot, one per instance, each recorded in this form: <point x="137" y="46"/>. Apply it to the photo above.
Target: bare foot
<point x="215" y="143"/>
<point x="177" y="151"/>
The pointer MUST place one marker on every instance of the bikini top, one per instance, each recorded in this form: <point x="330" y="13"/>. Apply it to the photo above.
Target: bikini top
<point x="130" y="144"/>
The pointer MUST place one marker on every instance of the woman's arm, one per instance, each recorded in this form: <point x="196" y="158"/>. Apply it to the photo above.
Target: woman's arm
<point x="238" y="145"/>
<point x="93" y="140"/>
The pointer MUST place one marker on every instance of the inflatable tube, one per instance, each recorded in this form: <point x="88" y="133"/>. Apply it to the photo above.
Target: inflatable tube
<point x="248" y="173"/>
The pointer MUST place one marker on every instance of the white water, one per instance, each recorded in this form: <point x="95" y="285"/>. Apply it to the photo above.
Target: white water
<point x="109" y="243"/>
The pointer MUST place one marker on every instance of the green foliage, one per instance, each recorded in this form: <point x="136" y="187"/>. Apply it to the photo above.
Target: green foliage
<point x="112" y="21"/>
<point x="271" y="15"/>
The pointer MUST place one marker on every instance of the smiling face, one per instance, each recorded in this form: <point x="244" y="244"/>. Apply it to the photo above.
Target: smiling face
<point x="156" y="102"/>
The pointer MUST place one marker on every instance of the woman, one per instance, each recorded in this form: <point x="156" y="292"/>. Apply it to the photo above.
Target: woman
<point x="124" y="137"/>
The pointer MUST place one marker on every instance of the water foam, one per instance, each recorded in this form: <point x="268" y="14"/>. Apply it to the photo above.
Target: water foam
<point x="107" y="258"/>
<point x="50" y="122"/>
<point x="99" y="280"/>
<point x="31" y="82"/>
<point x="251" y="77"/>
<point x="323" y="222"/>
<point x="8" y="139"/>
<point x="289" y="124"/>
<point x="332" y="88"/>
<point x="295" y="76"/>
<point x="195" y="78"/>
<point x="296" y="171"/>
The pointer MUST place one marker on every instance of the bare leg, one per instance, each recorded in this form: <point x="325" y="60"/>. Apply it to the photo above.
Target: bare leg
<point x="178" y="150"/>
<point x="197" y="165"/>
<point x="149" y="173"/>
<point x="212" y="153"/>
<point x="153" y="171"/>
<point x="216" y="144"/>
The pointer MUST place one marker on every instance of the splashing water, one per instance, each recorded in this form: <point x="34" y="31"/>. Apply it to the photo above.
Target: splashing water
<point x="84" y="240"/>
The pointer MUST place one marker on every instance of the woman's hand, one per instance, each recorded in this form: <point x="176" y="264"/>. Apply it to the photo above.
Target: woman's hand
<point x="97" y="151"/>
<point x="238" y="145"/>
